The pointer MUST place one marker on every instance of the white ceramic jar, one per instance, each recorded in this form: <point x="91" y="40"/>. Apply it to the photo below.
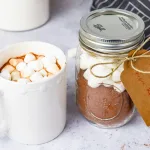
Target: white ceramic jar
<point x="35" y="113"/>
<point x="21" y="15"/>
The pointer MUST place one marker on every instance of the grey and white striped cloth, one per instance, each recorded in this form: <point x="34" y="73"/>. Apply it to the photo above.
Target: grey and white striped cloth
<point x="139" y="7"/>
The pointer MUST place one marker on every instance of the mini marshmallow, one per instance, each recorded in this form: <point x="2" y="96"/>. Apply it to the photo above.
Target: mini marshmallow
<point x="93" y="84"/>
<point x="36" y="77"/>
<point x="27" y="72"/>
<point x="86" y="74"/>
<point x="15" y="75"/>
<point x="23" y="80"/>
<point x="116" y="76"/>
<point x="15" y="62"/>
<point x="43" y="72"/>
<point x="52" y="68"/>
<point x="97" y="80"/>
<point x="86" y="61"/>
<point x="94" y="81"/>
<point x="106" y="60"/>
<point x="92" y="61"/>
<point x="9" y="68"/>
<point x="108" y="83"/>
<point x="21" y="66"/>
<point x="29" y="57"/>
<point x="51" y="58"/>
<point x="84" y="58"/>
<point x="111" y="66"/>
<point x="36" y="65"/>
<point x="101" y="70"/>
<point x="48" y="60"/>
<point x="5" y="74"/>
<point x="119" y="87"/>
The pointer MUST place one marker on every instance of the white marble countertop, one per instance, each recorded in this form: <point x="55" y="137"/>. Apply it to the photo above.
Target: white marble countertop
<point x="62" y="30"/>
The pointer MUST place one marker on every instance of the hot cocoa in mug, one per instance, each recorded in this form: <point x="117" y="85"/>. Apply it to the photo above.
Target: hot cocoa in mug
<point x="33" y="91"/>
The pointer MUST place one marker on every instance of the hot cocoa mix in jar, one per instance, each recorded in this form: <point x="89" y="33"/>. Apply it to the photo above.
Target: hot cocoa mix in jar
<point x="106" y="36"/>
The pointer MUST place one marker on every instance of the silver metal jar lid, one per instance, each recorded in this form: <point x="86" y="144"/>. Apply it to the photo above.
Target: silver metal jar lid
<point x="111" y="30"/>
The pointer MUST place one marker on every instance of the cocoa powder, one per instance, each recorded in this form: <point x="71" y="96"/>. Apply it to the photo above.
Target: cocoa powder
<point x="103" y="105"/>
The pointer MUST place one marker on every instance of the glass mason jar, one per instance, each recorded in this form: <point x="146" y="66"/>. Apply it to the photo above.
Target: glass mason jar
<point x="106" y="36"/>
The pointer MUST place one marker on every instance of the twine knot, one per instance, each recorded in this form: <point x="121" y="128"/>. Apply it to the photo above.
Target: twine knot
<point x="132" y="58"/>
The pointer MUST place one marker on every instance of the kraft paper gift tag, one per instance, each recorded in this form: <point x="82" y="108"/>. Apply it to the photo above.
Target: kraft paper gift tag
<point x="137" y="83"/>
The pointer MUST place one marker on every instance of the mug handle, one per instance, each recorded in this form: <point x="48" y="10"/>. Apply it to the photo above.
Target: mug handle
<point x="3" y="125"/>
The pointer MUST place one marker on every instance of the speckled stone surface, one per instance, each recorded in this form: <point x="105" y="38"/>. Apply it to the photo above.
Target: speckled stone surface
<point x="62" y="30"/>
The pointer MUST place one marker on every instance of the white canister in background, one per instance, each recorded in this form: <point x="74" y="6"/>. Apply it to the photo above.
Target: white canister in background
<point x="21" y="15"/>
<point x="35" y="113"/>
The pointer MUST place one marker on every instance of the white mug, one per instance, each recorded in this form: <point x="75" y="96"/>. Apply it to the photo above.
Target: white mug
<point x="35" y="113"/>
<point x="21" y="15"/>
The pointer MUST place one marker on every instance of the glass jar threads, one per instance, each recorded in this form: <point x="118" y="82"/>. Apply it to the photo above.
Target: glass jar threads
<point x="106" y="36"/>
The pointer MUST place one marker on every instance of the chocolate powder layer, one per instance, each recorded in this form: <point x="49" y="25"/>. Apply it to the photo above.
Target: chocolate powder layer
<point x="103" y="105"/>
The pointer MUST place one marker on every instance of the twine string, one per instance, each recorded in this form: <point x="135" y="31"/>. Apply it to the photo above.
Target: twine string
<point x="132" y="58"/>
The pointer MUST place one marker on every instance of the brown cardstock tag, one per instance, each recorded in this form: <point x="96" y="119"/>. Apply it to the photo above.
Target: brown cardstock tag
<point x="138" y="84"/>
